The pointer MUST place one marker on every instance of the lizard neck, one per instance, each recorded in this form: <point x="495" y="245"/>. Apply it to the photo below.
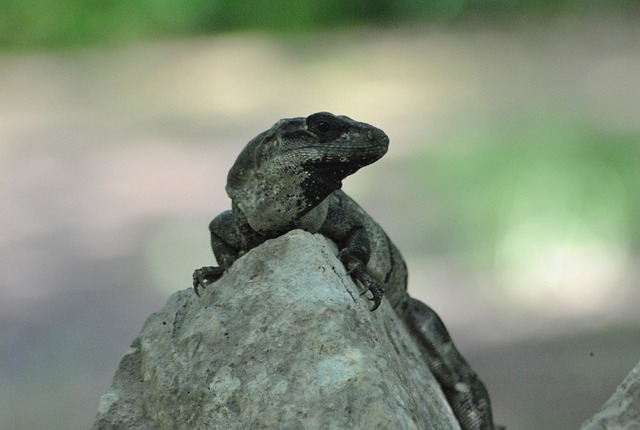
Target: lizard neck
<point x="272" y="206"/>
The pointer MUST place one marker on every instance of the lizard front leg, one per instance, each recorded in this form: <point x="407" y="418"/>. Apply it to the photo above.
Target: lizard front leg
<point x="356" y="249"/>
<point x="465" y="392"/>
<point x="226" y="249"/>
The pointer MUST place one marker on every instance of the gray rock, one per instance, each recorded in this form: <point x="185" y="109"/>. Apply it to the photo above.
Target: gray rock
<point x="622" y="410"/>
<point x="282" y="341"/>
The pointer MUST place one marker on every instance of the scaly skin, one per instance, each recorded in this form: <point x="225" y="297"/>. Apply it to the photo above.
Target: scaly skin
<point x="289" y="177"/>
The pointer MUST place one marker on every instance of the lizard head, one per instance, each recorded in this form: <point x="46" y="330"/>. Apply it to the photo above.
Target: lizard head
<point x="288" y="170"/>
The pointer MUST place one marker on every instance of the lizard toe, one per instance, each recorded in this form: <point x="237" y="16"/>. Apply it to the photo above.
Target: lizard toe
<point x="205" y="276"/>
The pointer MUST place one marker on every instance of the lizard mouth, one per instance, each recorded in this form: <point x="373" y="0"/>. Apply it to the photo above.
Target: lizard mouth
<point x="348" y="151"/>
<point x="374" y="142"/>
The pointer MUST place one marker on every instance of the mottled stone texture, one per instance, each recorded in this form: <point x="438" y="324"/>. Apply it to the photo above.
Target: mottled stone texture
<point x="622" y="410"/>
<point x="283" y="341"/>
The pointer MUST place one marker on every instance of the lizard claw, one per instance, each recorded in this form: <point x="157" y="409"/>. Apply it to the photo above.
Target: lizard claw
<point x="205" y="276"/>
<point x="378" y="292"/>
<point x="358" y="271"/>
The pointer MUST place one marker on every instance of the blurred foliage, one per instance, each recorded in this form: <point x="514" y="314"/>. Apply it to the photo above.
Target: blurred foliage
<point x="552" y="177"/>
<point x="61" y="23"/>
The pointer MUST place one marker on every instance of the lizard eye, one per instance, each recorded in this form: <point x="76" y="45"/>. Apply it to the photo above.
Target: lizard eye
<point x="323" y="126"/>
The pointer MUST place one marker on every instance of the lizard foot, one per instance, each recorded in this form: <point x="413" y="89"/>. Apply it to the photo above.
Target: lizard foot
<point x="358" y="271"/>
<point x="205" y="276"/>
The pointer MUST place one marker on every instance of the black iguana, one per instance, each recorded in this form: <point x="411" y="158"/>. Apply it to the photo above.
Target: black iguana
<point x="289" y="177"/>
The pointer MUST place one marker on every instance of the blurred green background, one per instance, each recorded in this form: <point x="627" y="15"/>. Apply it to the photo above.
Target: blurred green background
<point x="511" y="185"/>
<point x="62" y="23"/>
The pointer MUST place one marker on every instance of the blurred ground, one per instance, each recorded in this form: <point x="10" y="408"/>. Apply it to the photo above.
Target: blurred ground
<point x="511" y="187"/>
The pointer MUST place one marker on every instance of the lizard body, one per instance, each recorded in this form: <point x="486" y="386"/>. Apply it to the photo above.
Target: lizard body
<point x="290" y="177"/>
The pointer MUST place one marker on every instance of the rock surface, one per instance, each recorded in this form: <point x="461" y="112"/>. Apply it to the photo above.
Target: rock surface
<point x="283" y="340"/>
<point x="622" y="410"/>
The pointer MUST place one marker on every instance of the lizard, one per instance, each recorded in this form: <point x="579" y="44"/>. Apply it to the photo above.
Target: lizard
<point x="290" y="177"/>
